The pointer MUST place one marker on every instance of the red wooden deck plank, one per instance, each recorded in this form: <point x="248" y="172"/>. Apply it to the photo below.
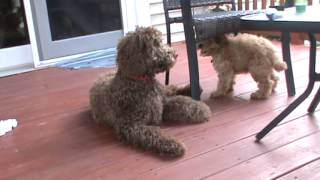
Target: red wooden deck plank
<point x="276" y="162"/>
<point x="308" y="171"/>
<point x="226" y="158"/>
<point x="145" y="163"/>
<point x="56" y="139"/>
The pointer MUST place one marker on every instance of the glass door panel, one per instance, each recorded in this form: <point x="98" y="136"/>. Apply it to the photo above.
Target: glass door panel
<point x="74" y="18"/>
<point x="67" y="27"/>
<point x="15" y="48"/>
<point x="13" y="26"/>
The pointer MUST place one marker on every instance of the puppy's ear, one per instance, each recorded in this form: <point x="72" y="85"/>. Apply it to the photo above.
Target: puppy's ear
<point x="204" y="43"/>
<point x="222" y="40"/>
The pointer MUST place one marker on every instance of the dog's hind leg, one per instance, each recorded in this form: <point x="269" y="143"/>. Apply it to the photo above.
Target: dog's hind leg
<point x="184" y="109"/>
<point x="265" y="85"/>
<point x="150" y="138"/>
<point x="275" y="79"/>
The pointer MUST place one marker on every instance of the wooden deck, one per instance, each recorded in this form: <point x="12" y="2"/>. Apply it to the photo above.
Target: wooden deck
<point x="56" y="139"/>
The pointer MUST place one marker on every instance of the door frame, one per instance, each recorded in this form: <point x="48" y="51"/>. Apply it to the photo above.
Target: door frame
<point x="17" y="57"/>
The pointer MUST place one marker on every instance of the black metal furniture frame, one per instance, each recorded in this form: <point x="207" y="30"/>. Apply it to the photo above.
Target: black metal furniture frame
<point x="223" y="23"/>
<point x="171" y="5"/>
<point x="190" y="38"/>
<point x="287" y="26"/>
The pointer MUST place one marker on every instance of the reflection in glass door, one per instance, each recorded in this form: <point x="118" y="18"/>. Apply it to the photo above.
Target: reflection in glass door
<point x="67" y="27"/>
<point x="76" y="18"/>
<point x="13" y="26"/>
<point x="15" y="49"/>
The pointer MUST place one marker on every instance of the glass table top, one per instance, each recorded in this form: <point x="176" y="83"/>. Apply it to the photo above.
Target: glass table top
<point x="311" y="14"/>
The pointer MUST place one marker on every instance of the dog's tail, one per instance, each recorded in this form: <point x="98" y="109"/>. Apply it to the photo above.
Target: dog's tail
<point x="150" y="138"/>
<point x="279" y="65"/>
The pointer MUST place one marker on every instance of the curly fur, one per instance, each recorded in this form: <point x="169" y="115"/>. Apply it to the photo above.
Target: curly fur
<point x="134" y="103"/>
<point x="243" y="53"/>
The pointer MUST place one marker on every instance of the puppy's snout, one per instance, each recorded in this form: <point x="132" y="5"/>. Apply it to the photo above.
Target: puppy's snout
<point x="171" y="52"/>
<point x="200" y="45"/>
<point x="162" y="65"/>
<point x="175" y="55"/>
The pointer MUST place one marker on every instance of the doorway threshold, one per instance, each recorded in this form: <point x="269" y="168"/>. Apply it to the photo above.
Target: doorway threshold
<point x="13" y="70"/>
<point x="98" y="59"/>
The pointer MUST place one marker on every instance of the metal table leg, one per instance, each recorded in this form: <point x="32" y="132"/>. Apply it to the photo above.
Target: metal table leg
<point x="312" y="78"/>
<point x="285" y="40"/>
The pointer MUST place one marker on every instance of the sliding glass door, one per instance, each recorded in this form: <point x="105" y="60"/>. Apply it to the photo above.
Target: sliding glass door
<point x="68" y="27"/>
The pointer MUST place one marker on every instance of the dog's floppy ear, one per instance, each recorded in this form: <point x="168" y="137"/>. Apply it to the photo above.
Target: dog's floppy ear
<point x="126" y="47"/>
<point x="141" y="43"/>
<point x="146" y="38"/>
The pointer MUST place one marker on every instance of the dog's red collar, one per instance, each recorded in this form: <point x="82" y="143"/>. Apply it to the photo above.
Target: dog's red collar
<point x="141" y="78"/>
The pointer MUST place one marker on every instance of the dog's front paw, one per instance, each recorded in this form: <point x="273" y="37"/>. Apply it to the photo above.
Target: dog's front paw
<point x="172" y="148"/>
<point x="186" y="90"/>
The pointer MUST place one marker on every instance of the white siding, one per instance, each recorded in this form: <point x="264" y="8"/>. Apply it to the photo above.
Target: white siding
<point x="158" y="21"/>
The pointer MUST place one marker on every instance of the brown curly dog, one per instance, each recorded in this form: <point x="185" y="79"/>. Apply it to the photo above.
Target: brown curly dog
<point x="134" y="103"/>
<point x="243" y="53"/>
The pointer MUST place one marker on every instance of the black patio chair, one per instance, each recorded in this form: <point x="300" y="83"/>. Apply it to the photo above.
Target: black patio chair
<point x="173" y="5"/>
<point x="206" y="25"/>
<point x="219" y="22"/>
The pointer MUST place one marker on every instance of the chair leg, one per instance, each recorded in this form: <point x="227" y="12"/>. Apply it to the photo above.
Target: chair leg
<point x="191" y="49"/>
<point x="169" y="43"/>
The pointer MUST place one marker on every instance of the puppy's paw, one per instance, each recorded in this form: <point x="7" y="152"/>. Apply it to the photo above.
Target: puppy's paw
<point x="230" y="90"/>
<point x="217" y="94"/>
<point x="258" y="96"/>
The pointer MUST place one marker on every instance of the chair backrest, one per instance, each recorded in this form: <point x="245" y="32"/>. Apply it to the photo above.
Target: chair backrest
<point x="241" y="4"/>
<point x="175" y="4"/>
<point x="263" y="4"/>
<point x="171" y="5"/>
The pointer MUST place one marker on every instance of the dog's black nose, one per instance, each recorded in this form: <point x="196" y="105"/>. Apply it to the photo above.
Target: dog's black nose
<point x="200" y="46"/>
